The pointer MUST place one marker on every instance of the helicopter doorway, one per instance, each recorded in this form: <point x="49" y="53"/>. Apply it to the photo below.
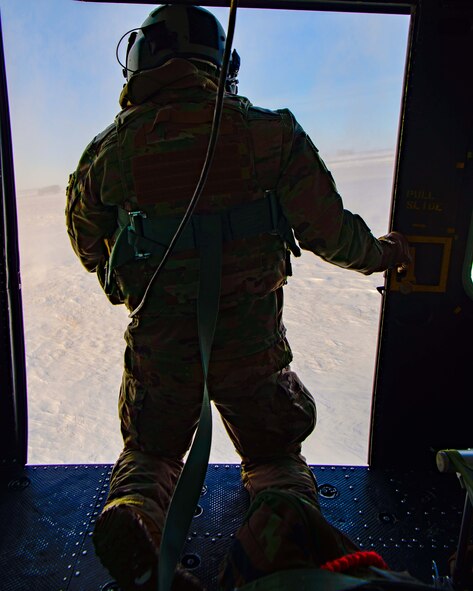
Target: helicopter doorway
<point x="340" y="74"/>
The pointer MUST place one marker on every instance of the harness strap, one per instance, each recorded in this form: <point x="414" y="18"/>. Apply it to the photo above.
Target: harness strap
<point x="139" y="237"/>
<point x="189" y="486"/>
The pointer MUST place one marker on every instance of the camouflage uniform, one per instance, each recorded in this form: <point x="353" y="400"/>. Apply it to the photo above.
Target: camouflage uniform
<point x="150" y="160"/>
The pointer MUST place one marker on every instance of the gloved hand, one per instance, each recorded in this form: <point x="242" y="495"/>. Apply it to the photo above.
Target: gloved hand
<point x="397" y="253"/>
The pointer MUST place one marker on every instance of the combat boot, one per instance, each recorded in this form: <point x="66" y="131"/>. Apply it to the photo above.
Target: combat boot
<point x="285" y="543"/>
<point x="126" y="542"/>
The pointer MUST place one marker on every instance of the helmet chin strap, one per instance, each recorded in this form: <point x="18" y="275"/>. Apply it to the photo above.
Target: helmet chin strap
<point x="210" y="151"/>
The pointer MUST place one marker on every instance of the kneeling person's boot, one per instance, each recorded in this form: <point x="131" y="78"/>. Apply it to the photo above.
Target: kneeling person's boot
<point x="281" y="531"/>
<point x="285" y="543"/>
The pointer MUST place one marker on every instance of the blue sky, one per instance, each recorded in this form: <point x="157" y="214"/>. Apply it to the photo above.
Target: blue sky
<point x="340" y="74"/>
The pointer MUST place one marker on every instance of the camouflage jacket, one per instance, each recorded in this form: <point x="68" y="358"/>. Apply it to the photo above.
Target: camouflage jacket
<point x="150" y="160"/>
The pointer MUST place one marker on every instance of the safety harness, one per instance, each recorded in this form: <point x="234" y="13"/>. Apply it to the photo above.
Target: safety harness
<point x="139" y="237"/>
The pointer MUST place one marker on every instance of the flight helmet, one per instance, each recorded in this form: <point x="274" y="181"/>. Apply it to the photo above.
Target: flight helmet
<point x="174" y="30"/>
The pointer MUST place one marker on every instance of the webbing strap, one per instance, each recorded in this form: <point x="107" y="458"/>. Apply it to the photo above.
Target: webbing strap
<point x="189" y="486"/>
<point x="241" y="221"/>
<point x="139" y="236"/>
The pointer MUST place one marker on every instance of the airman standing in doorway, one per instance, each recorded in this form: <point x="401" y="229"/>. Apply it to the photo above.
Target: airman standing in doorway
<point x="124" y="202"/>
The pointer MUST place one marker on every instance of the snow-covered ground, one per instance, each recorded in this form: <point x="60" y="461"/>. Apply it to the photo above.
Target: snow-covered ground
<point x="74" y="337"/>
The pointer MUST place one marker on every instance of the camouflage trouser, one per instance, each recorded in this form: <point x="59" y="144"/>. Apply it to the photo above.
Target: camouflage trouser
<point x="282" y="530"/>
<point x="267" y="413"/>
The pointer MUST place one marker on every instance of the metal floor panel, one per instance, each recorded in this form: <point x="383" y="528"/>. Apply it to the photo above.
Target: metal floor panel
<point x="47" y="517"/>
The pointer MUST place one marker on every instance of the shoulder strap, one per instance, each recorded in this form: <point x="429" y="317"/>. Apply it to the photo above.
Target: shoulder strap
<point x="271" y="137"/>
<point x="288" y="135"/>
<point x="266" y="136"/>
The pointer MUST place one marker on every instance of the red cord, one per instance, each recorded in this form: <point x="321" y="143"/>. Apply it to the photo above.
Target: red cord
<point x="361" y="558"/>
